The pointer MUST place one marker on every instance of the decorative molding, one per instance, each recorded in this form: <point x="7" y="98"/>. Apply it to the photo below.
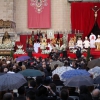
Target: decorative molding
<point x="38" y="5"/>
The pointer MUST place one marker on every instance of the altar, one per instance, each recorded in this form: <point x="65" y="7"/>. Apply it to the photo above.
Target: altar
<point x="37" y="55"/>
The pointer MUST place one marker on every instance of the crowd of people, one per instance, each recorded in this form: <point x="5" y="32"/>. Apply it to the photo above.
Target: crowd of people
<point x="44" y="87"/>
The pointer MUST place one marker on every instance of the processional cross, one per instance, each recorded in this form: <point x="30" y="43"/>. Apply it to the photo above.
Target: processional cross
<point x="95" y="9"/>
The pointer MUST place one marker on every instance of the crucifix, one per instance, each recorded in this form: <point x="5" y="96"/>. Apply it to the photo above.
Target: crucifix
<point x="95" y="9"/>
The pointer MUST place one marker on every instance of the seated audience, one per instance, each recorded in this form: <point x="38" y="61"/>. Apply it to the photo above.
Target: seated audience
<point x="43" y="91"/>
<point x="96" y="94"/>
<point x="30" y="95"/>
<point x="65" y="95"/>
<point x="8" y="96"/>
<point x="21" y="92"/>
<point x="56" y="80"/>
<point x="72" y="91"/>
<point x="84" y="93"/>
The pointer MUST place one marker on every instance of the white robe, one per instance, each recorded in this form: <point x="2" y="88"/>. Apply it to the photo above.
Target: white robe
<point x="92" y="40"/>
<point x="36" y="46"/>
<point x="86" y="44"/>
<point x="50" y="47"/>
<point x="80" y="44"/>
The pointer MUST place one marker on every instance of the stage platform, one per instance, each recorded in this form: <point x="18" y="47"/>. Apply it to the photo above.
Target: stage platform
<point x="33" y="54"/>
<point x="95" y="53"/>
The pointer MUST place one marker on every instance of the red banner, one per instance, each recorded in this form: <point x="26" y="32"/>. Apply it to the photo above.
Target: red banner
<point x="39" y="13"/>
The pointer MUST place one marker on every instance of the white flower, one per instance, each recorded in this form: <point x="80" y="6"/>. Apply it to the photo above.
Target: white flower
<point x="19" y="51"/>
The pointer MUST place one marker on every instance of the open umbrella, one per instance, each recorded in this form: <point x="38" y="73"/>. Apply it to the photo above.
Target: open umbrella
<point x="22" y="58"/>
<point x="61" y="70"/>
<point x="93" y="63"/>
<point x="95" y="71"/>
<point x="56" y="62"/>
<point x="31" y="73"/>
<point x="73" y="73"/>
<point x="97" y="80"/>
<point x="77" y="81"/>
<point x="11" y="81"/>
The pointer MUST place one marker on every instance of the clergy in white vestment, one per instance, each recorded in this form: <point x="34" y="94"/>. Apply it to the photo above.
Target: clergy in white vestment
<point x="35" y="47"/>
<point x="92" y="38"/>
<point x="38" y="46"/>
<point x="97" y="42"/>
<point x="86" y="43"/>
<point x="50" y="47"/>
<point x="79" y="43"/>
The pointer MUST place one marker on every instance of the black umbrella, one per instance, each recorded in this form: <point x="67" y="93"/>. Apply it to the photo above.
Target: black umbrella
<point x="31" y="73"/>
<point x="78" y="81"/>
<point x="93" y="63"/>
<point x="97" y="80"/>
<point x="11" y="81"/>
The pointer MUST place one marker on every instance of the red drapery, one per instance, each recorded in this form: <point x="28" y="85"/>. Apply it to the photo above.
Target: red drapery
<point x="23" y="40"/>
<point x="82" y="17"/>
<point x="39" y="20"/>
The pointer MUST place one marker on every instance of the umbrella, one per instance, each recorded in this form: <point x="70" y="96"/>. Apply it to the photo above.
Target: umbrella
<point x="97" y="80"/>
<point x="11" y="81"/>
<point x="56" y="62"/>
<point x="22" y="58"/>
<point x="95" y="71"/>
<point x="73" y="73"/>
<point x="93" y="63"/>
<point x="31" y="73"/>
<point x="61" y="70"/>
<point x="78" y="81"/>
<point x="2" y="74"/>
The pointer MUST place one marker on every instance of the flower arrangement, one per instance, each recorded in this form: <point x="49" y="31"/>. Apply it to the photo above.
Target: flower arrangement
<point x="20" y="50"/>
<point x="74" y="50"/>
<point x="7" y="46"/>
<point x="45" y="51"/>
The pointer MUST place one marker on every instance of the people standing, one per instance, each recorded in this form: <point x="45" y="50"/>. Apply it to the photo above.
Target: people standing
<point x="92" y="38"/>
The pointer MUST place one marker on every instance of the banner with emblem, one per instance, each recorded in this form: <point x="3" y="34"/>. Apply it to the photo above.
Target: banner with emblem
<point x="39" y="13"/>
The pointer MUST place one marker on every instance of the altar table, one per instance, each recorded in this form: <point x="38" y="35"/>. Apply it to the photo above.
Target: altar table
<point x="33" y="54"/>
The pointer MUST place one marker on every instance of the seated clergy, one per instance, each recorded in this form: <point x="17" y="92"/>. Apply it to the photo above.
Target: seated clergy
<point x="97" y="42"/>
<point x="86" y="43"/>
<point x="36" y="46"/>
<point x="79" y="43"/>
<point x="43" y="43"/>
<point x="71" y="43"/>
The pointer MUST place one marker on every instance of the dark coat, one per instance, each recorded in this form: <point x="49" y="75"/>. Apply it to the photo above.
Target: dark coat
<point x="58" y="82"/>
<point x="78" y="53"/>
<point x="20" y="98"/>
<point x="85" y="97"/>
